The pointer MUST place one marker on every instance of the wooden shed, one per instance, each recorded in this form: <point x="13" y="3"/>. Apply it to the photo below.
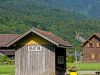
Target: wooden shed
<point x="39" y="52"/>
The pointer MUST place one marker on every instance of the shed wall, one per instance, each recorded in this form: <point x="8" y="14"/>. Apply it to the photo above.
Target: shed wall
<point x="35" y="62"/>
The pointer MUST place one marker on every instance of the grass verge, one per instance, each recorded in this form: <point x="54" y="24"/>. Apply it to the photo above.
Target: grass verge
<point x="86" y="66"/>
<point x="7" y="69"/>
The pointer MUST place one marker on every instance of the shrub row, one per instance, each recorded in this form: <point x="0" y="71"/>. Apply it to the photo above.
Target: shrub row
<point x="4" y="59"/>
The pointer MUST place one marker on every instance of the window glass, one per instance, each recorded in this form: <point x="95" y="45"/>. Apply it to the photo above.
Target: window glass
<point x="98" y="45"/>
<point x="90" y="45"/>
<point x="60" y="59"/>
<point x="92" y="56"/>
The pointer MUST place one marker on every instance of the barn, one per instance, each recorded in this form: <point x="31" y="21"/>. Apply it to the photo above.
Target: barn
<point x="39" y="52"/>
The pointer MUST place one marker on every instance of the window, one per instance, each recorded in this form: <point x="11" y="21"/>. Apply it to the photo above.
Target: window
<point x="60" y="59"/>
<point x="34" y="48"/>
<point x="90" y="45"/>
<point x="98" y="45"/>
<point x="99" y="56"/>
<point x="92" y="56"/>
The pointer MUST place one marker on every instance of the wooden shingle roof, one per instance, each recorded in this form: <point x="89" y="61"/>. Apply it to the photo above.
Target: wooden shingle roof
<point x="9" y="39"/>
<point x="53" y="37"/>
<point x="94" y="34"/>
<point x="6" y="38"/>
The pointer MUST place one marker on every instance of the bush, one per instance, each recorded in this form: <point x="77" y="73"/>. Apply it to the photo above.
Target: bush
<point x="11" y="62"/>
<point x="4" y="59"/>
<point x="70" y="59"/>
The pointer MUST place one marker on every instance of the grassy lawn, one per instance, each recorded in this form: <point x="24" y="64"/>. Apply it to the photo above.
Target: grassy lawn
<point x="10" y="69"/>
<point x="7" y="69"/>
<point x="86" y="66"/>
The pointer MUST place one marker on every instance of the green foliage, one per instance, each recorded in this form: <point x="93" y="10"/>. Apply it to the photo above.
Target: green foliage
<point x="18" y="16"/>
<point x="70" y="59"/>
<point x="5" y="59"/>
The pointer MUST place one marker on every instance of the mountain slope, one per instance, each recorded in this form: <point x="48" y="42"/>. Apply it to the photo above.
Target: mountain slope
<point x="17" y="16"/>
<point x="89" y="8"/>
<point x="86" y="7"/>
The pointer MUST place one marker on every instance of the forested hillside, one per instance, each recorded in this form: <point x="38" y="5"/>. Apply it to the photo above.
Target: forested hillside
<point x="86" y="7"/>
<point x="17" y="16"/>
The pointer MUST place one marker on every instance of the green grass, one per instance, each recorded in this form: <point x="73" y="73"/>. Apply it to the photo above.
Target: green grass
<point x="10" y="69"/>
<point x="7" y="69"/>
<point x="86" y="66"/>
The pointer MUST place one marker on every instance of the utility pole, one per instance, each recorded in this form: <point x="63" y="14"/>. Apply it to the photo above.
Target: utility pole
<point x="76" y="59"/>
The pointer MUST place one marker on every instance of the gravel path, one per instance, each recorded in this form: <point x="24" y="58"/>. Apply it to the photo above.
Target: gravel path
<point x="85" y="72"/>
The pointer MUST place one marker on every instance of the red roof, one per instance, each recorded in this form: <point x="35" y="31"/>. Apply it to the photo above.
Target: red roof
<point x="53" y="37"/>
<point x="6" y="38"/>
<point x="95" y="34"/>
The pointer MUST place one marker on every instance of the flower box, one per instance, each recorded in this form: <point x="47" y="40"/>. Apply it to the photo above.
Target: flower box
<point x="72" y="70"/>
<point x="72" y="73"/>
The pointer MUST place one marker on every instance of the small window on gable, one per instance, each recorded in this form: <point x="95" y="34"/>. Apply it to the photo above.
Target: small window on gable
<point x="60" y="59"/>
<point x="92" y="56"/>
<point x="90" y="45"/>
<point x="98" y="45"/>
<point x="34" y="48"/>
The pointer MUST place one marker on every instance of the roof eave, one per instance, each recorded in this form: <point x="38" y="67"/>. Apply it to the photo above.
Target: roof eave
<point x="88" y="39"/>
<point x="3" y="46"/>
<point x="32" y="30"/>
<point x="15" y="40"/>
<point x="64" y="46"/>
<point x="55" y="43"/>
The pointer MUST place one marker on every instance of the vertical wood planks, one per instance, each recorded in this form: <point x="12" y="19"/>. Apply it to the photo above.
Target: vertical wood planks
<point x="35" y="62"/>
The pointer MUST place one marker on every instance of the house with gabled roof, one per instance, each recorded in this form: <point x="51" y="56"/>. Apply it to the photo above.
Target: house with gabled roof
<point x="4" y="40"/>
<point x="38" y="52"/>
<point x="91" y="48"/>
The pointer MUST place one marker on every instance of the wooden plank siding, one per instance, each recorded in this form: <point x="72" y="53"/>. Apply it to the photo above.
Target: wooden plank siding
<point x="35" y="62"/>
<point x="91" y="54"/>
